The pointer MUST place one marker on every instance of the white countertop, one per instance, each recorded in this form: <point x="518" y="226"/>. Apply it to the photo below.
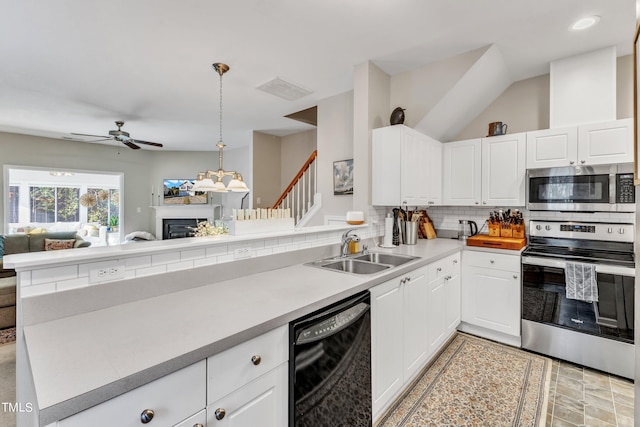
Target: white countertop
<point x="83" y="360"/>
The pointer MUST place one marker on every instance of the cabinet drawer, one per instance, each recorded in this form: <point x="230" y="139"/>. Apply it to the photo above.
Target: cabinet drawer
<point x="171" y="398"/>
<point x="243" y="363"/>
<point x="492" y="260"/>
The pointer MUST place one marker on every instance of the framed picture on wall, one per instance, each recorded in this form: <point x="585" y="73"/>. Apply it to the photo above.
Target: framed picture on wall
<point x="636" y="107"/>
<point x="180" y="192"/>
<point x="343" y="177"/>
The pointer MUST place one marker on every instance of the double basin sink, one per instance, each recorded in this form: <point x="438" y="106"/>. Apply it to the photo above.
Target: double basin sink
<point x="369" y="263"/>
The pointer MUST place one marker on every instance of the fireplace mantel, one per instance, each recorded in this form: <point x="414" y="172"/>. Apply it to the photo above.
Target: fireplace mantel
<point x="182" y="211"/>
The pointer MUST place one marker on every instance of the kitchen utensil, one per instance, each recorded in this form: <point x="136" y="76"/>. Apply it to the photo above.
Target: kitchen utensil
<point x="411" y="232"/>
<point x="497" y="128"/>
<point x="466" y="229"/>
<point x="396" y="227"/>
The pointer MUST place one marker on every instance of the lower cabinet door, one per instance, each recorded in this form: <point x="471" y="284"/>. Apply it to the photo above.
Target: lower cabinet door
<point x="437" y="312"/>
<point x="197" y="420"/>
<point x="262" y="402"/>
<point x="495" y="297"/>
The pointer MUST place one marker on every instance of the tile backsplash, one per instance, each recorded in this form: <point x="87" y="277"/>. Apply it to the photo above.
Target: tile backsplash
<point x="446" y="217"/>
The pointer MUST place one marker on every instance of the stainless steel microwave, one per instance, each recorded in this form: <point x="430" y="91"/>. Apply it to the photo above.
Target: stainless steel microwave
<point x="599" y="188"/>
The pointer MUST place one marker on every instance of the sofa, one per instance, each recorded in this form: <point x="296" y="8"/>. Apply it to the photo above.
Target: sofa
<point x="21" y="243"/>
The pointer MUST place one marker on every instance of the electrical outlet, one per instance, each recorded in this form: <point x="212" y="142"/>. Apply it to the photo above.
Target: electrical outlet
<point x="105" y="271"/>
<point x="241" y="253"/>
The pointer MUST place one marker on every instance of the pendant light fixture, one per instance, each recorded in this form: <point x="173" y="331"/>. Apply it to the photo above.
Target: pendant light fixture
<point x="212" y="180"/>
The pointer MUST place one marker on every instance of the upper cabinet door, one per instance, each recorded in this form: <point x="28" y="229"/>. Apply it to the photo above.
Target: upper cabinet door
<point x="503" y="172"/>
<point x="552" y="148"/>
<point x="433" y="171"/>
<point x="461" y="177"/>
<point x="413" y="191"/>
<point x="605" y="143"/>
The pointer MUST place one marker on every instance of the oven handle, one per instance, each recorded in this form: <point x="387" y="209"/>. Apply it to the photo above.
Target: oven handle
<point x="600" y="268"/>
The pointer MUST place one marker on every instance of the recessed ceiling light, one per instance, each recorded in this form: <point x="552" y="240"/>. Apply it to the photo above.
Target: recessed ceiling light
<point x="584" y="23"/>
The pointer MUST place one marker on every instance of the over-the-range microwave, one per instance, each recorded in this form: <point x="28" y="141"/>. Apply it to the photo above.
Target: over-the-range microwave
<point x="598" y="188"/>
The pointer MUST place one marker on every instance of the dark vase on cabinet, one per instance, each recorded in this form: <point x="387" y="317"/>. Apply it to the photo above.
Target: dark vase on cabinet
<point x="397" y="116"/>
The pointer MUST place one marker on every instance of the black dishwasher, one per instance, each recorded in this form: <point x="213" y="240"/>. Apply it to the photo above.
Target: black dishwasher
<point x="330" y="366"/>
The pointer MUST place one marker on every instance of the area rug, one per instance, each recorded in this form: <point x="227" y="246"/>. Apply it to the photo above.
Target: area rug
<point x="7" y="335"/>
<point x="476" y="382"/>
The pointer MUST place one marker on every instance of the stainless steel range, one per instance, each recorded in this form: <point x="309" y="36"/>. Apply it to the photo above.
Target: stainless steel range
<point x="594" y="331"/>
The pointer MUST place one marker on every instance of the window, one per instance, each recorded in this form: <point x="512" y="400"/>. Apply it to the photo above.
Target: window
<point x="107" y="206"/>
<point x="54" y="204"/>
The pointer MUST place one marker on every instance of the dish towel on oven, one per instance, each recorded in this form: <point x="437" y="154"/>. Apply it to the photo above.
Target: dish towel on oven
<point x="581" y="281"/>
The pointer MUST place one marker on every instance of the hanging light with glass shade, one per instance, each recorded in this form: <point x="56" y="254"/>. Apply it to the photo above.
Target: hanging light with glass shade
<point x="212" y="180"/>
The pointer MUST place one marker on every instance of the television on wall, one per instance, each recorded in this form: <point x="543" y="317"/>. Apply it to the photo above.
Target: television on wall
<point x="180" y="192"/>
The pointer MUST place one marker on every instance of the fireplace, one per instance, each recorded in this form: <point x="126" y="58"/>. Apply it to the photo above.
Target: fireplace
<point x="177" y="228"/>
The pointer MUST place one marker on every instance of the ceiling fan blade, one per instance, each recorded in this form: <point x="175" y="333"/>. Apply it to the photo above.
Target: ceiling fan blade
<point x="155" y="144"/>
<point x="103" y="139"/>
<point x="131" y="145"/>
<point x="95" y="136"/>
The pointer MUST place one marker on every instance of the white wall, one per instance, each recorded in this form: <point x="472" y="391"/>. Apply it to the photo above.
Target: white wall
<point x="141" y="168"/>
<point x="295" y="150"/>
<point x="335" y="142"/>
<point x="266" y="169"/>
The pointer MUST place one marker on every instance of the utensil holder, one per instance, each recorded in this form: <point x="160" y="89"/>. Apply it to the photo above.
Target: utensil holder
<point x="494" y="230"/>
<point x="411" y="232"/>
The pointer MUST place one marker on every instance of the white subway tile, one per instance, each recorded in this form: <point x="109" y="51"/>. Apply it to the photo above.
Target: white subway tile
<point x="205" y="261"/>
<point x="65" y="285"/>
<point x="193" y="254"/>
<point x="264" y="252"/>
<point x="217" y="250"/>
<point x="184" y="265"/>
<point x="165" y="258"/>
<point x="54" y="274"/>
<point x="149" y="271"/>
<point x="225" y="258"/>
<point x="137" y="262"/>
<point x="34" y="290"/>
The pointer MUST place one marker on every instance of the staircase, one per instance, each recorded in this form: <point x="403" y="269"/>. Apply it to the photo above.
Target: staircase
<point x="301" y="195"/>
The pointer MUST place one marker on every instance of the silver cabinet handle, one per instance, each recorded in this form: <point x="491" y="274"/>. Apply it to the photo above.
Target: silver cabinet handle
<point x="515" y="276"/>
<point x="583" y="161"/>
<point x="439" y="269"/>
<point x="571" y="162"/>
<point x="484" y="202"/>
<point x="146" y="416"/>
<point x="403" y="281"/>
<point x="256" y="359"/>
<point x="408" y="279"/>
<point x="198" y="425"/>
<point x="220" y="413"/>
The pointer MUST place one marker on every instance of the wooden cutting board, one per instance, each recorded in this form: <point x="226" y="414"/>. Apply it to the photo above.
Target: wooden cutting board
<point x="486" y="241"/>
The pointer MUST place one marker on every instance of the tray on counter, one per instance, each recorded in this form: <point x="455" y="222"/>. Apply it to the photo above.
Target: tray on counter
<point x="497" y="242"/>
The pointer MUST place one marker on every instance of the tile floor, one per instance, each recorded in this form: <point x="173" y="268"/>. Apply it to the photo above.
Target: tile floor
<point x="583" y="397"/>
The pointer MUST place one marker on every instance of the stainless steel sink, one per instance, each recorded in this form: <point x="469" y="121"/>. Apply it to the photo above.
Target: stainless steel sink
<point x="383" y="258"/>
<point x="350" y="265"/>
<point x="370" y="263"/>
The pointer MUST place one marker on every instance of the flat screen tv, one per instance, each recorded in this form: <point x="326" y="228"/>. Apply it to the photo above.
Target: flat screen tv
<point x="180" y="192"/>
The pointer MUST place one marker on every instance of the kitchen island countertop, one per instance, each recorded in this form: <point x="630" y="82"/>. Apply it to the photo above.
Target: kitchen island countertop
<point x="83" y="360"/>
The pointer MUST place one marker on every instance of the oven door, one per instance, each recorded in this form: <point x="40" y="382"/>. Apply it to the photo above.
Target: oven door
<point x="544" y="299"/>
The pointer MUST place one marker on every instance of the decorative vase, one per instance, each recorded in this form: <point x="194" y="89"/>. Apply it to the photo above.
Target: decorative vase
<point x="397" y="116"/>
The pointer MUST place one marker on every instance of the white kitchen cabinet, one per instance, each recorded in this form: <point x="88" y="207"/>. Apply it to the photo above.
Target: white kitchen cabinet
<point x="491" y="295"/>
<point x="444" y="301"/>
<point x="584" y="145"/>
<point x="247" y="384"/>
<point x="407" y="168"/>
<point x="166" y="401"/>
<point x="261" y="402"/>
<point x="398" y="335"/>
<point x="485" y="171"/>
<point x="197" y="420"/>
<point x="462" y="176"/>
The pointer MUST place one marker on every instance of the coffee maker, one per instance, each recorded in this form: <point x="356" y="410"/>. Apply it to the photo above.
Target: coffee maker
<point x="466" y="229"/>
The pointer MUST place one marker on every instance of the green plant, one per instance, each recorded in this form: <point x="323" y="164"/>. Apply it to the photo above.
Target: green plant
<point x="113" y="221"/>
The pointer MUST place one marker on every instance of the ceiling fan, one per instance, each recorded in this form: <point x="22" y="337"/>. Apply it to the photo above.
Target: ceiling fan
<point x="121" y="136"/>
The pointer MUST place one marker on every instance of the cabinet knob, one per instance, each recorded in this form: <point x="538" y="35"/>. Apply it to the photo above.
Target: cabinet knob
<point x="477" y="203"/>
<point x="220" y="413"/>
<point x="455" y="261"/>
<point x="256" y="359"/>
<point x="484" y="203"/>
<point x="408" y="279"/>
<point x="439" y="269"/>
<point x="491" y="261"/>
<point x="515" y="276"/>
<point x="146" y="416"/>
<point x="583" y="161"/>
<point x="198" y="425"/>
<point x="571" y="162"/>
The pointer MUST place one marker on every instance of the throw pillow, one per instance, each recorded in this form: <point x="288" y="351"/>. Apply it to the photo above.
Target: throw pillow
<point x="38" y="230"/>
<point x="56" y="244"/>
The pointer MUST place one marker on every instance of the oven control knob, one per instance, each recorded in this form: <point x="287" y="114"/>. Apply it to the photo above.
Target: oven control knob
<point x="609" y="230"/>
<point x="538" y="227"/>
<point x="621" y="231"/>
<point x="547" y="227"/>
